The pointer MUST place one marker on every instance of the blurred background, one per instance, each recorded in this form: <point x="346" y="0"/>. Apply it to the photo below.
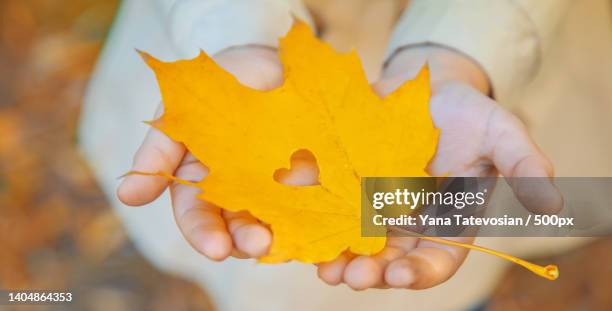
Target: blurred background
<point x="57" y="230"/>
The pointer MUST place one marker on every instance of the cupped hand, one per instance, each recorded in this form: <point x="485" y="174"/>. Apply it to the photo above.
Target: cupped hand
<point x="478" y="138"/>
<point x="209" y="229"/>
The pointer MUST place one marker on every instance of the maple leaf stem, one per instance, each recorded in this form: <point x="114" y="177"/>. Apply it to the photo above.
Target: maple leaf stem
<point x="164" y="175"/>
<point x="550" y="272"/>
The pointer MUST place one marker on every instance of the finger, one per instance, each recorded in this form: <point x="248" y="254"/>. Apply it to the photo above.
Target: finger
<point x="427" y="265"/>
<point x="250" y="237"/>
<point x="200" y="222"/>
<point x="368" y="271"/>
<point x="158" y="153"/>
<point x="515" y="154"/>
<point x="424" y="268"/>
<point x="362" y="272"/>
<point x="332" y="272"/>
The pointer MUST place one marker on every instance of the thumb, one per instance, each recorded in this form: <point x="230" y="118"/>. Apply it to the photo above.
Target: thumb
<point x="527" y="170"/>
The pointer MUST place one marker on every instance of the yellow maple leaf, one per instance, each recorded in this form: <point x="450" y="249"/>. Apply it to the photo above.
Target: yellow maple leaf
<point x="325" y="106"/>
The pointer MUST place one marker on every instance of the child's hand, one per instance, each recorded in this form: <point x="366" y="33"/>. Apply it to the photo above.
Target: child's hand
<point x="478" y="138"/>
<point x="209" y="229"/>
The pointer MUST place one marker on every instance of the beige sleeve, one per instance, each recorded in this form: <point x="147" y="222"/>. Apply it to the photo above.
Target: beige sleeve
<point x="214" y="25"/>
<point x="505" y="37"/>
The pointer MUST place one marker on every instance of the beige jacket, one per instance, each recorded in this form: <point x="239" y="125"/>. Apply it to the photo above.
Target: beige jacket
<point x="506" y="37"/>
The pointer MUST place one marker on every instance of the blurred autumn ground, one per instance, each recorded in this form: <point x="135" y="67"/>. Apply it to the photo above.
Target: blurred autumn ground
<point x="58" y="232"/>
<point x="56" y="229"/>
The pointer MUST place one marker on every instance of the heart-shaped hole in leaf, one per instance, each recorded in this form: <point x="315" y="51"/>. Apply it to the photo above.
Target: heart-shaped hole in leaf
<point x="303" y="171"/>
